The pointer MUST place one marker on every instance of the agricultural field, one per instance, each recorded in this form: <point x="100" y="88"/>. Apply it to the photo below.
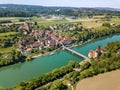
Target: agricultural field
<point x="47" y="23"/>
<point x="13" y="19"/>
<point x="8" y="34"/>
<point x="6" y="50"/>
<point x="87" y="22"/>
<point x="5" y="37"/>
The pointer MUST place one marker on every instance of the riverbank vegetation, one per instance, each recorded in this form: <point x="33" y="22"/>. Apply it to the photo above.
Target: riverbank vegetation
<point x="59" y="78"/>
<point x="108" y="61"/>
<point x="47" y="78"/>
<point x="11" y="58"/>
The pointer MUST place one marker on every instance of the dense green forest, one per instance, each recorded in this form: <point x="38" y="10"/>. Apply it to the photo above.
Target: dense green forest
<point x="12" y="10"/>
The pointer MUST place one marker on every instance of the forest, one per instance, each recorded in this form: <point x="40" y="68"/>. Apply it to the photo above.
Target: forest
<point x="13" y="10"/>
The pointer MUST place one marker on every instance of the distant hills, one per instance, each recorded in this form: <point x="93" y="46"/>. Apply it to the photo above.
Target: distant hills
<point x="31" y="10"/>
<point x="21" y="6"/>
<point x="106" y="8"/>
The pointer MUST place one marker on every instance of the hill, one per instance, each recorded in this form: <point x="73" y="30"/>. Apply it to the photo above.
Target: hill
<point x="31" y="10"/>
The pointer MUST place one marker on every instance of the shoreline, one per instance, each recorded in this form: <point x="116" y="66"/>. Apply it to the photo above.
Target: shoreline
<point x="48" y="53"/>
<point x="58" y="49"/>
<point x="63" y="51"/>
<point x="80" y="44"/>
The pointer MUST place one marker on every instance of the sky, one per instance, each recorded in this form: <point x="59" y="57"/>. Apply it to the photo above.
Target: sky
<point x="71" y="3"/>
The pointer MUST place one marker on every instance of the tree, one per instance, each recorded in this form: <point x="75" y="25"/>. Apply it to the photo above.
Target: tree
<point x="106" y="24"/>
<point x="36" y="23"/>
<point x="86" y="65"/>
<point x="57" y="85"/>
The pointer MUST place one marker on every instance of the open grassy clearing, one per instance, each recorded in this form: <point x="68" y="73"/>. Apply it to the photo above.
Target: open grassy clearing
<point x="114" y="20"/>
<point x="6" y="50"/>
<point x="91" y="24"/>
<point x="13" y="19"/>
<point x="97" y="23"/>
<point x="8" y="18"/>
<point x="36" y="19"/>
<point x="46" y="23"/>
<point x="7" y="34"/>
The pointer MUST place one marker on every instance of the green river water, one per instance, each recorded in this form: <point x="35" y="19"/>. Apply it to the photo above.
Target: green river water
<point x="14" y="74"/>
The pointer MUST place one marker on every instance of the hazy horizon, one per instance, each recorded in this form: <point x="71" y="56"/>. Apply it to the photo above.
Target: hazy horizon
<point x="67" y="3"/>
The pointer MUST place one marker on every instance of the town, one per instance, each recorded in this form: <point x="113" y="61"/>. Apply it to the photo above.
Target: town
<point x="59" y="47"/>
<point x="41" y="39"/>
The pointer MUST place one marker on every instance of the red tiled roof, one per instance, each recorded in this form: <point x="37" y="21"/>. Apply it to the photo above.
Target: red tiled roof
<point x="36" y="44"/>
<point x="92" y="53"/>
<point x="28" y="49"/>
<point x="31" y="41"/>
<point x="40" y="39"/>
<point x="66" y="39"/>
<point x="24" y="28"/>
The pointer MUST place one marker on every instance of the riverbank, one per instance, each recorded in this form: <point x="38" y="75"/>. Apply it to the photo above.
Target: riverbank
<point x="45" y="64"/>
<point x="106" y="81"/>
<point x="48" y="53"/>
<point x="54" y="51"/>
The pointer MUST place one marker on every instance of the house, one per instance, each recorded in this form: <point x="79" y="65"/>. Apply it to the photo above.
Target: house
<point x="41" y="40"/>
<point x="93" y="54"/>
<point x="96" y="53"/>
<point x="41" y="47"/>
<point x="50" y="43"/>
<point x="8" y="56"/>
<point x="70" y="82"/>
<point x="118" y="52"/>
<point x="24" y="29"/>
<point x="66" y="40"/>
<point x="31" y="41"/>
<point x="27" y="51"/>
<point x="35" y="45"/>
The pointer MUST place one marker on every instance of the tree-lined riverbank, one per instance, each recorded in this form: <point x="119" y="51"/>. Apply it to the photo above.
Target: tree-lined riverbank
<point x="46" y="64"/>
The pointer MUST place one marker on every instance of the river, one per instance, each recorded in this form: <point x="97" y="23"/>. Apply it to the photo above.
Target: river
<point x="14" y="74"/>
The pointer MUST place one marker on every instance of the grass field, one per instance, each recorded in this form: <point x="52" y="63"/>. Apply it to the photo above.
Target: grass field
<point x="91" y="24"/>
<point x="13" y="19"/>
<point x="46" y="23"/>
<point x="6" y="50"/>
<point x="114" y="20"/>
<point x="7" y="34"/>
<point x="36" y="19"/>
<point x="96" y="21"/>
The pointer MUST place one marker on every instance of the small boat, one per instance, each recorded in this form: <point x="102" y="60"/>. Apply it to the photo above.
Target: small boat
<point x="52" y="53"/>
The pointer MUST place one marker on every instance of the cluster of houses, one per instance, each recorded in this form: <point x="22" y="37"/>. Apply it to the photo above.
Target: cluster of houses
<point x="96" y="53"/>
<point x="41" y="39"/>
<point x="66" y="26"/>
